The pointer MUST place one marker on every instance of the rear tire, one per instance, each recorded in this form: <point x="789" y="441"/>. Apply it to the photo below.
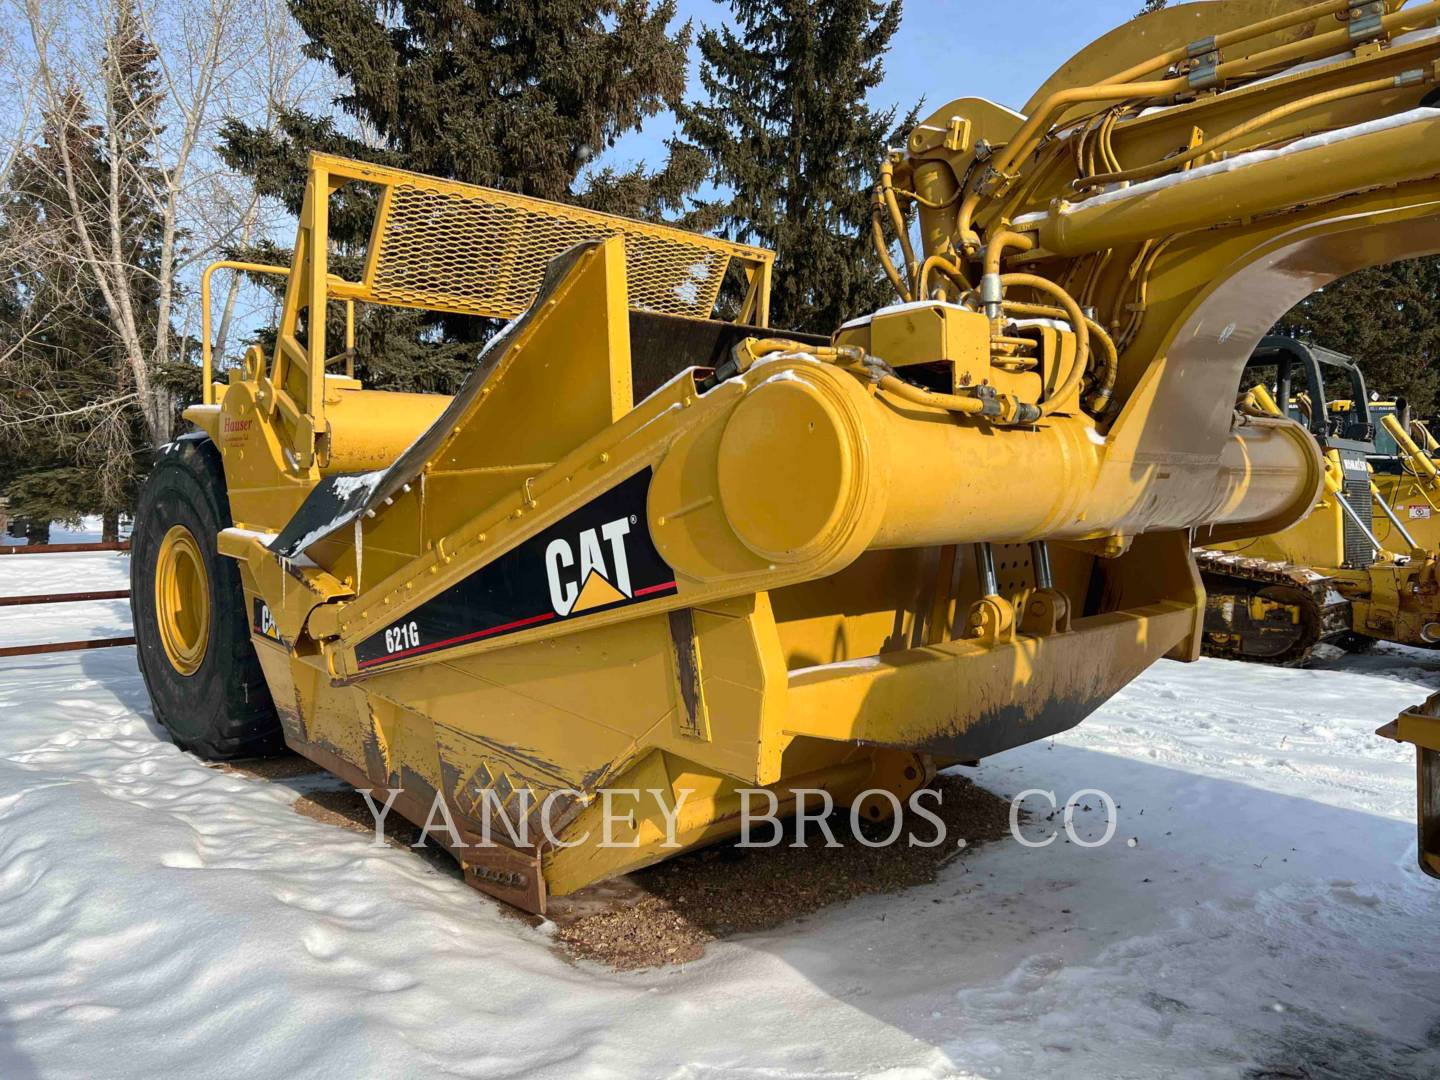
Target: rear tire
<point x="205" y="682"/>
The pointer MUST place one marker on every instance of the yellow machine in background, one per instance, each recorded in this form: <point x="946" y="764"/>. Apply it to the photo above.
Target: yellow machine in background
<point x="1405" y="475"/>
<point x="1329" y="578"/>
<point x="1404" y="470"/>
<point x="647" y="558"/>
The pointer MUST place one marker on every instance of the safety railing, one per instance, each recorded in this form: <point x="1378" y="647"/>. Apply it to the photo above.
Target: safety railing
<point x="440" y="245"/>
<point x="207" y="363"/>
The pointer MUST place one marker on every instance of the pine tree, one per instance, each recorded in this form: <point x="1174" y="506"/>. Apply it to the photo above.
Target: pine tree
<point x="1386" y="318"/>
<point x="1152" y="5"/>
<point x="514" y="96"/>
<point x="70" y="429"/>
<point x="794" y="148"/>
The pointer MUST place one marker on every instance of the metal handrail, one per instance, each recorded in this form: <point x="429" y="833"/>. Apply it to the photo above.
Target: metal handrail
<point x="207" y="389"/>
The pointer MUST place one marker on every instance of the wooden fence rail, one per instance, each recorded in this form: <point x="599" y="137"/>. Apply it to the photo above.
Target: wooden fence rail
<point x="61" y="549"/>
<point x="64" y="598"/>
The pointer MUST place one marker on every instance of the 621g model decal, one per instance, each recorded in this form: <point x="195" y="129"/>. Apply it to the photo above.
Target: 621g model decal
<point x="598" y="558"/>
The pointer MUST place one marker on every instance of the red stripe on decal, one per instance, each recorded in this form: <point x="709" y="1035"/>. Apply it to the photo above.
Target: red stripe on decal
<point x="531" y="621"/>
<point x="516" y="625"/>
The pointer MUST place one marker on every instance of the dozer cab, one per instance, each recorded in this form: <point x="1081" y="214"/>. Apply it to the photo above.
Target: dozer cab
<point x="1327" y="579"/>
<point x="650" y="560"/>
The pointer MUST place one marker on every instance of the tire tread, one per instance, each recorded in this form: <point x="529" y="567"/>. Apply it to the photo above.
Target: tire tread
<point x="224" y="710"/>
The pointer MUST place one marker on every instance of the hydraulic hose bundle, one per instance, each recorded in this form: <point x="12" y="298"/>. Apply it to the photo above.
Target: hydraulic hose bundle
<point x="1047" y="193"/>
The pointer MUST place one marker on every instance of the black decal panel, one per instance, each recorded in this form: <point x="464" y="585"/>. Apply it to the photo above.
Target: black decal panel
<point x="263" y="624"/>
<point x="598" y="558"/>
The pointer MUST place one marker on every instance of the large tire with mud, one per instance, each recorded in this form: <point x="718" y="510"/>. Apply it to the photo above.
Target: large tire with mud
<point x="191" y="631"/>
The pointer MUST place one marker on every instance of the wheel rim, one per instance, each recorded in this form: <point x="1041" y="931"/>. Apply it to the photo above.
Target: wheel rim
<point x="182" y="600"/>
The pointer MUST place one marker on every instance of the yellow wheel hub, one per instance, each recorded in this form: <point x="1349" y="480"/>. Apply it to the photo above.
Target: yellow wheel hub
<point x="182" y="600"/>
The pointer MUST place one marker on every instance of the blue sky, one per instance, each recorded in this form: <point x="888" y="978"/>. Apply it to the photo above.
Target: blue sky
<point x="996" y="49"/>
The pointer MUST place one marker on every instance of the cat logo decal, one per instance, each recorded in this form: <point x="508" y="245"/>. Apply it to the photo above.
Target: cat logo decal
<point x="596" y="558"/>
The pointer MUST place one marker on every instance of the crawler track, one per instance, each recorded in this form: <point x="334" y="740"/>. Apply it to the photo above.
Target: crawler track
<point x="1305" y="609"/>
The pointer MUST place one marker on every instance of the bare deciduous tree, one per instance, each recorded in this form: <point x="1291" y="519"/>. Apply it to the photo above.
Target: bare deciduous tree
<point x="207" y="60"/>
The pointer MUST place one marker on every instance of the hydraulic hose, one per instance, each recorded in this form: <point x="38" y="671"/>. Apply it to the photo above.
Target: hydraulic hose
<point x="995" y="249"/>
<point x="1001" y="407"/>
<point x="968" y="406"/>
<point x="1255" y="123"/>
<point x="930" y="204"/>
<point x="1110" y="367"/>
<point x="897" y="220"/>
<point x="751" y="350"/>
<point x="1233" y="37"/>
<point x="992" y="292"/>
<point x="1042" y="119"/>
<point x="945" y="266"/>
<point x="1025" y="138"/>
<point x="1103" y="395"/>
<point x="882" y="248"/>
<point x="1078" y="321"/>
<point x="1106" y="146"/>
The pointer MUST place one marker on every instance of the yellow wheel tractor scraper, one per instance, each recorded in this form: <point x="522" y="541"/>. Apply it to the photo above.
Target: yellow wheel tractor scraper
<point x="648" y="559"/>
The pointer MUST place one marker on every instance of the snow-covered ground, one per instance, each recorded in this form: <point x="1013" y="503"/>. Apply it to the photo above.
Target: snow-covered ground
<point x="162" y="918"/>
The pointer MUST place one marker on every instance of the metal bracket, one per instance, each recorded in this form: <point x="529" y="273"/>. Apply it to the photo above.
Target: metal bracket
<point x="991" y="621"/>
<point x="1204" y="61"/>
<point x="993" y="182"/>
<point x="1364" y="20"/>
<point x="957" y="136"/>
<point x="988" y="397"/>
